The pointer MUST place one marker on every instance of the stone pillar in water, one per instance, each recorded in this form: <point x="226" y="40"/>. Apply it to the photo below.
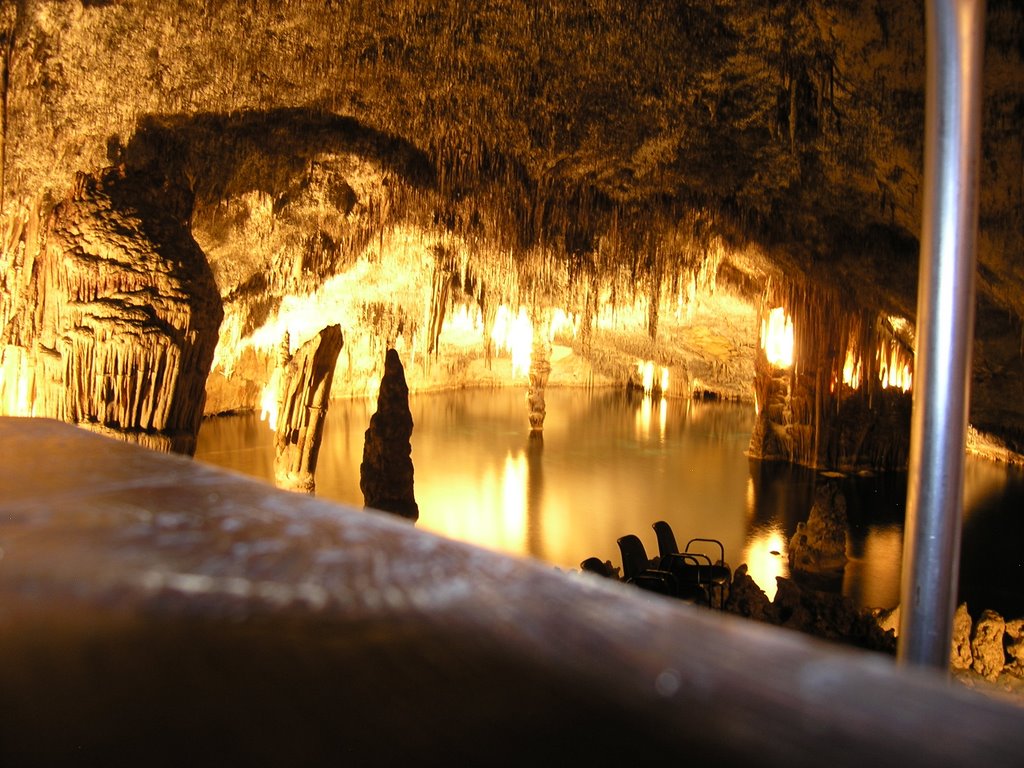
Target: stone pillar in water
<point x="818" y="547"/>
<point x="386" y="474"/>
<point x="540" y="369"/>
<point x="304" y="395"/>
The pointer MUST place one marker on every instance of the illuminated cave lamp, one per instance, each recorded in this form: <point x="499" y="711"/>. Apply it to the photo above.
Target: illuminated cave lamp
<point x="777" y="338"/>
<point x="268" y="399"/>
<point x="514" y="334"/>
<point x="851" y="371"/>
<point x="664" y="380"/>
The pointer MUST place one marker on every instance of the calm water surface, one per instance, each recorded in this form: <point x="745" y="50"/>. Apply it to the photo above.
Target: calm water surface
<point x="608" y="465"/>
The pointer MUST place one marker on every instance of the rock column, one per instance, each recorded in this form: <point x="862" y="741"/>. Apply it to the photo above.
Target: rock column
<point x="386" y="474"/>
<point x="303" y="399"/>
<point x="540" y="369"/>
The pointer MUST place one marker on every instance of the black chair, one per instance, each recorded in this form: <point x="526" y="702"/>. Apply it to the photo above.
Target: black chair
<point x="636" y="569"/>
<point x="696" y="566"/>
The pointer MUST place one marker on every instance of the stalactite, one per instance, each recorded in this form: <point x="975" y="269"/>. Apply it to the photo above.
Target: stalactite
<point x="122" y="327"/>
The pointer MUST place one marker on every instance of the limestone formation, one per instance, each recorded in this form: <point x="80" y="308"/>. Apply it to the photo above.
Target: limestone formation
<point x="674" y="153"/>
<point x="386" y="474"/>
<point x="1015" y="645"/>
<point x="540" y="369"/>
<point x="304" y="396"/>
<point x="818" y="547"/>
<point x="110" y="314"/>
<point x="987" y="645"/>
<point x="960" y="654"/>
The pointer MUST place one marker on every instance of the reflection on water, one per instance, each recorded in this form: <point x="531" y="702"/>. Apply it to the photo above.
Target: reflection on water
<point x="608" y="465"/>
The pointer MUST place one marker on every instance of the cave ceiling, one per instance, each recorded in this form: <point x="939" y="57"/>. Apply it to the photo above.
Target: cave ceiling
<point x="788" y="132"/>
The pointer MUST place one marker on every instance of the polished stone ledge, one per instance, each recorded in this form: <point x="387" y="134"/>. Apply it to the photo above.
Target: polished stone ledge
<point x="158" y="611"/>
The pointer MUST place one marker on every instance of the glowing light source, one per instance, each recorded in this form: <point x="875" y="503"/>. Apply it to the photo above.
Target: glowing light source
<point x="777" y="338"/>
<point x="645" y="370"/>
<point x="851" y="370"/>
<point x="514" y="334"/>
<point x="268" y="399"/>
<point x="894" y="367"/>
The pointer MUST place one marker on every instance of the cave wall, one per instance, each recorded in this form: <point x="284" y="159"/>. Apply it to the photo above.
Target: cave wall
<point x="569" y="155"/>
<point x="111" y="314"/>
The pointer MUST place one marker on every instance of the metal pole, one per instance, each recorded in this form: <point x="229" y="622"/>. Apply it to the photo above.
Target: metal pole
<point x="945" y="330"/>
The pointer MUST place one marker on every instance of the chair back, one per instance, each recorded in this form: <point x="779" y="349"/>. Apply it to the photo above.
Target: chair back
<point x="666" y="539"/>
<point x="634" y="556"/>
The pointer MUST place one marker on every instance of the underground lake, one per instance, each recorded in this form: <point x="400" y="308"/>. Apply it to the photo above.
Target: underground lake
<point x="610" y="463"/>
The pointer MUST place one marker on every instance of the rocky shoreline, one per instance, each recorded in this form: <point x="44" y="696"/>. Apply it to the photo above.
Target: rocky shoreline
<point x="986" y="654"/>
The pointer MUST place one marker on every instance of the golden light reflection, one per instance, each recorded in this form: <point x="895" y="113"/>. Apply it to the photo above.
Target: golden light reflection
<point x="874" y="578"/>
<point x="498" y="498"/>
<point x="514" y="333"/>
<point x="765" y="556"/>
<point x="645" y="417"/>
<point x="777" y="338"/>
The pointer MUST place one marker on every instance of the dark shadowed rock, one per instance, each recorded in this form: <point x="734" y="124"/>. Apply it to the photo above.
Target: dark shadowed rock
<point x="302" y="409"/>
<point x="386" y="474"/>
<point x="746" y="598"/>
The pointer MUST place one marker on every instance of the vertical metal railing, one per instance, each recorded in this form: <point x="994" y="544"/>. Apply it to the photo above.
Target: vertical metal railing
<point x="945" y="330"/>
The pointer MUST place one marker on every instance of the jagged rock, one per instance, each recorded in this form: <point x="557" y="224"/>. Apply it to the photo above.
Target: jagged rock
<point x="987" y="645"/>
<point x="746" y="598"/>
<point x="386" y="474"/>
<point x="1015" y="646"/>
<point x="960" y="655"/>
<point x="819" y="546"/>
<point x="110" y="315"/>
<point x="303" y="399"/>
<point x="888" y="619"/>
<point x="829" y="615"/>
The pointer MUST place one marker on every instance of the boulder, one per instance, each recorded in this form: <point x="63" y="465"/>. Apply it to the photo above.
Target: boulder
<point x="1015" y="646"/>
<point x="987" y="645"/>
<point x="960" y="655"/>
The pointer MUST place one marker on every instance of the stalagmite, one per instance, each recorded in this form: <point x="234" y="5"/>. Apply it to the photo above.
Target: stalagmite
<point x="540" y="369"/>
<point x="304" y="396"/>
<point x="818" y="547"/>
<point x="386" y="474"/>
<point x="111" y="314"/>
